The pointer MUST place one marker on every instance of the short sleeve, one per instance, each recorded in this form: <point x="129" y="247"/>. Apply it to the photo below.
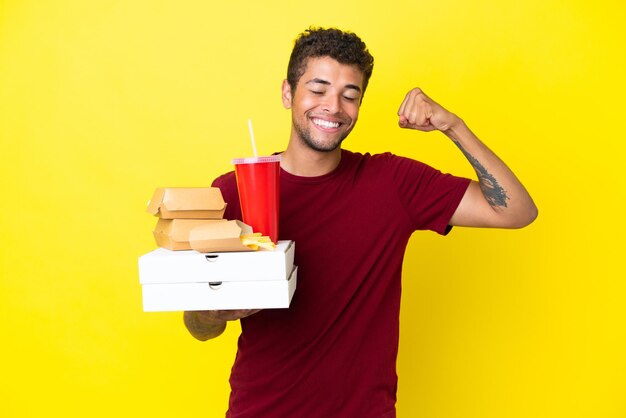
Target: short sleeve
<point x="429" y="196"/>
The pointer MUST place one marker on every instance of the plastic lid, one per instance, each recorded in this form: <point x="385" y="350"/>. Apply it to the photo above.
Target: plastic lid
<point x="253" y="160"/>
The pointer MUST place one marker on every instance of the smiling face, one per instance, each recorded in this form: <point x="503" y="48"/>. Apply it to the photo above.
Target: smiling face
<point x="325" y="104"/>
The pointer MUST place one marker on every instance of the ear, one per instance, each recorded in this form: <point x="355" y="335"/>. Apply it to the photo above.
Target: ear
<point x="286" y="94"/>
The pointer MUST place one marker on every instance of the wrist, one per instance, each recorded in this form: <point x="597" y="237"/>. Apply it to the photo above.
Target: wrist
<point x="456" y="128"/>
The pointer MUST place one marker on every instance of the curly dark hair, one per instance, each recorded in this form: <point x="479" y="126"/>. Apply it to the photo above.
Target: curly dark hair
<point x="345" y="47"/>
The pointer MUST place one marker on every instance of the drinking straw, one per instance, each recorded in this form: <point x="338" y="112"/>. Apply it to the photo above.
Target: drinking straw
<point x="252" y="138"/>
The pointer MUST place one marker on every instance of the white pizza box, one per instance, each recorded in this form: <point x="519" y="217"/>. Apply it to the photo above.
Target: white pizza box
<point x="258" y="294"/>
<point x="190" y="266"/>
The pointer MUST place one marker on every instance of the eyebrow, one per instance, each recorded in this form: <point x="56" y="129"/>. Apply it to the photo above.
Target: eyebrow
<point x="327" y="83"/>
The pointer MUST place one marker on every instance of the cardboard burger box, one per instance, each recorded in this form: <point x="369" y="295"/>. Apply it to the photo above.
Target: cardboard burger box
<point x="187" y="203"/>
<point x="173" y="234"/>
<point x="191" y="280"/>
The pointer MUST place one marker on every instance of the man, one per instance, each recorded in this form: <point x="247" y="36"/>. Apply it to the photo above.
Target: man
<point x="333" y="352"/>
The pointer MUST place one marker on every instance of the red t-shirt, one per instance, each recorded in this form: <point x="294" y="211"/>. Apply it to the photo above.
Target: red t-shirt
<point x="333" y="352"/>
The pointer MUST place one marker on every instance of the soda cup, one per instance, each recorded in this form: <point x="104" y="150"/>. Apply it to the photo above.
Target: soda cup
<point x="258" y="186"/>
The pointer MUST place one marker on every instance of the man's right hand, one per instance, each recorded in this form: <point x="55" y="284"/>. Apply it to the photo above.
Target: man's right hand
<point x="204" y="325"/>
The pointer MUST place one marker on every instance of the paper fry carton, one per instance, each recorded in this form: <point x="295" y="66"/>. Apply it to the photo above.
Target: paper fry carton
<point x="223" y="236"/>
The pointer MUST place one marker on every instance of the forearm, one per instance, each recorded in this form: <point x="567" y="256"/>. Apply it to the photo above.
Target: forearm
<point x="202" y="327"/>
<point x="511" y="203"/>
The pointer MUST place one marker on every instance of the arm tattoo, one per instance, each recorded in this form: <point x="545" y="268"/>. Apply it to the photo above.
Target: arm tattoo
<point x="493" y="192"/>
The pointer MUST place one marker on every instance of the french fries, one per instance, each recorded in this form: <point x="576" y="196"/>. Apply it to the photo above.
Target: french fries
<point x="257" y="240"/>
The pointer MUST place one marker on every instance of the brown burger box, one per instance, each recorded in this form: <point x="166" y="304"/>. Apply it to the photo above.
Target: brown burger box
<point x="187" y="203"/>
<point x="173" y="234"/>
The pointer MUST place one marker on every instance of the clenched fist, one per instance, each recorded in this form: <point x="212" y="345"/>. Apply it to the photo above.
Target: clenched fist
<point x="420" y="112"/>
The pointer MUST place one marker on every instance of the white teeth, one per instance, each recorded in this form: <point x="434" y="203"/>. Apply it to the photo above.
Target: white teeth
<point x="325" y="123"/>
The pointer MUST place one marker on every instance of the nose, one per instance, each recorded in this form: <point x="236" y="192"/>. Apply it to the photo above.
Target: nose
<point x="332" y="103"/>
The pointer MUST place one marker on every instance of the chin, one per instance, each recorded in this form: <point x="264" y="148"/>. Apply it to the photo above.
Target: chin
<point x="322" y="147"/>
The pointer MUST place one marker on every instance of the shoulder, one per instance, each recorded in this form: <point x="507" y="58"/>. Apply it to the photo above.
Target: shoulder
<point x="225" y="181"/>
<point x="386" y="162"/>
<point x="360" y="159"/>
<point x="402" y="173"/>
<point x="381" y="158"/>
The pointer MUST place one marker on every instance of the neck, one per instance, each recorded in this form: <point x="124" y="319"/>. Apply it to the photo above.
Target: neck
<point x="300" y="160"/>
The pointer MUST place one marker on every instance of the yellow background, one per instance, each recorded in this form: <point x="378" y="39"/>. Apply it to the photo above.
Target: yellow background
<point x="102" y="101"/>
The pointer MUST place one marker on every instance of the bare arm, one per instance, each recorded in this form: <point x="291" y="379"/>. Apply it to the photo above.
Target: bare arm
<point x="498" y="199"/>
<point x="205" y="325"/>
